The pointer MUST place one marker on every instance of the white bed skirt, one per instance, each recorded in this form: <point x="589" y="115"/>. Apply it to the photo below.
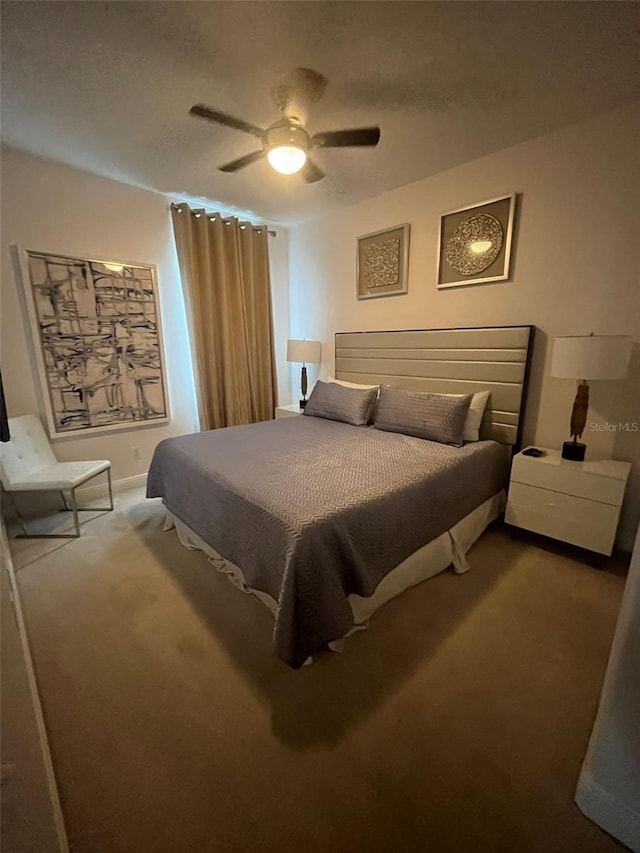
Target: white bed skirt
<point x="448" y="549"/>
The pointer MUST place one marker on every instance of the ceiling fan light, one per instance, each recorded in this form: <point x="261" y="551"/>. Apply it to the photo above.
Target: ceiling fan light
<point x="287" y="159"/>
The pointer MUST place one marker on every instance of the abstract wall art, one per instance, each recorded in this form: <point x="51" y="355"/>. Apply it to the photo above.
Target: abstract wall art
<point x="97" y="341"/>
<point x="474" y="243"/>
<point x="383" y="262"/>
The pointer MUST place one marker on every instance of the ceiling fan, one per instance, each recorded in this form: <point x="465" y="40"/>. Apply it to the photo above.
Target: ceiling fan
<point x="286" y="143"/>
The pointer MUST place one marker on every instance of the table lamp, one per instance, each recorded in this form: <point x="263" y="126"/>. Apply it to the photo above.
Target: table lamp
<point x="304" y="352"/>
<point x="587" y="357"/>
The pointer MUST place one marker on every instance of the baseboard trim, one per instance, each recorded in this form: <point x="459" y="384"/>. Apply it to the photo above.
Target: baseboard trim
<point x="99" y="490"/>
<point x="603" y="808"/>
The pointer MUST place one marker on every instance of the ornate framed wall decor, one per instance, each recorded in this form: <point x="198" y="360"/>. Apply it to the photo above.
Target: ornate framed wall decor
<point x="383" y="262"/>
<point x="475" y="243"/>
<point x="97" y="340"/>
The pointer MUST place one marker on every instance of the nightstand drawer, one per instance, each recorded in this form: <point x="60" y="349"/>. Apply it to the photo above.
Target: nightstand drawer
<point x="559" y="476"/>
<point x="582" y="522"/>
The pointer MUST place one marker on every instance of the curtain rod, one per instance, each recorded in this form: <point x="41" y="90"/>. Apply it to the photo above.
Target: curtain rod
<point x="226" y="220"/>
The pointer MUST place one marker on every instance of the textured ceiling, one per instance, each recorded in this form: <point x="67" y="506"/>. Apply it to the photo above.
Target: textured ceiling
<point x="107" y="87"/>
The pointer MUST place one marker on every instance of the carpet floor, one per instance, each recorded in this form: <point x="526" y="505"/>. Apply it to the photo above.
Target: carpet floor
<point x="458" y="722"/>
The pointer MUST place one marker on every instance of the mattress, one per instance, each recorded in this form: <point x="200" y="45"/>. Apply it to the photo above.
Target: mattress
<point x="314" y="511"/>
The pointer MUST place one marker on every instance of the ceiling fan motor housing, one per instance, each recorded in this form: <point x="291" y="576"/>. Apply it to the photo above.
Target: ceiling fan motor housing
<point x="285" y="133"/>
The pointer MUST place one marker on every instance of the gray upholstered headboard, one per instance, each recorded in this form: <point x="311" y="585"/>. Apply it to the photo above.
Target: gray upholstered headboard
<point x="445" y="361"/>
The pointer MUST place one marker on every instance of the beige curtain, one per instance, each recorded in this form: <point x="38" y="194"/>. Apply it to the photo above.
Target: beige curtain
<point x="224" y="265"/>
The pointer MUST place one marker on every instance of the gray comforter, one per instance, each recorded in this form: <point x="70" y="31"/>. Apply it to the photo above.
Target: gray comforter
<point x="313" y="510"/>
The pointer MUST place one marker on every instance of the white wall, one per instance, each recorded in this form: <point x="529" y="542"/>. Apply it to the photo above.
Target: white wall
<point x="279" y="262"/>
<point x="50" y="207"/>
<point x="575" y="271"/>
<point x="608" y="789"/>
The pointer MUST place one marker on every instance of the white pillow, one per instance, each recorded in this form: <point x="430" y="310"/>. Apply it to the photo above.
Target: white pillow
<point x="474" y="415"/>
<point x="349" y="384"/>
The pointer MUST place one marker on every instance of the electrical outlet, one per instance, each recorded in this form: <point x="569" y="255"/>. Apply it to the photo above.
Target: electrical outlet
<point x="136" y="452"/>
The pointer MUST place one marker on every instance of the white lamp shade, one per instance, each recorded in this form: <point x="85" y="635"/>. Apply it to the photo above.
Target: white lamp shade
<point x="591" y="357"/>
<point x="304" y="352"/>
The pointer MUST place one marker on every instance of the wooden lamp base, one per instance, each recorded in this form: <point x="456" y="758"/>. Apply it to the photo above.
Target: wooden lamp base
<point x="575" y="450"/>
<point x="303" y="386"/>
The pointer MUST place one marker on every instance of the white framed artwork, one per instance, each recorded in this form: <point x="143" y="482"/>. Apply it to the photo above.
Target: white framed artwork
<point x="96" y="334"/>
<point x="382" y="262"/>
<point x="475" y="243"/>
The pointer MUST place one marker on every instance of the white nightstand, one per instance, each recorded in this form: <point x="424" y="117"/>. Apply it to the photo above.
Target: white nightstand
<point x="289" y="411"/>
<point x="576" y="502"/>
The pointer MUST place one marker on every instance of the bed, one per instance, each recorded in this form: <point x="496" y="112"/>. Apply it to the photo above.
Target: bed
<point x="324" y="521"/>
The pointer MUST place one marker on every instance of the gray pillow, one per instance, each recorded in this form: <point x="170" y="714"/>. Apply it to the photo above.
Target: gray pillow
<point x="337" y="403"/>
<point x="431" y="416"/>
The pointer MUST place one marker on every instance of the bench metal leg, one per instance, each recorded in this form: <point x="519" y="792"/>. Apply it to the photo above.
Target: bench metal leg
<point x="74" y="509"/>
<point x="71" y="505"/>
<point x="110" y="489"/>
<point x="17" y="512"/>
<point x="100" y="508"/>
<point x="27" y="535"/>
<point x="110" y="508"/>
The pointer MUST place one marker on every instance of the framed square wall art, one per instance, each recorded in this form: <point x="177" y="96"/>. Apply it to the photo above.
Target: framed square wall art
<point x="474" y="243"/>
<point x="383" y="262"/>
<point x="97" y="341"/>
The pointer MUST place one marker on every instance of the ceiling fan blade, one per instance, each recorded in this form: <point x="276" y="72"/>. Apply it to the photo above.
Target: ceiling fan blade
<point x="223" y="118"/>
<point x="346" y="138"/>
<point x="311" y="173"/>
<point x="241" y="162"/>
